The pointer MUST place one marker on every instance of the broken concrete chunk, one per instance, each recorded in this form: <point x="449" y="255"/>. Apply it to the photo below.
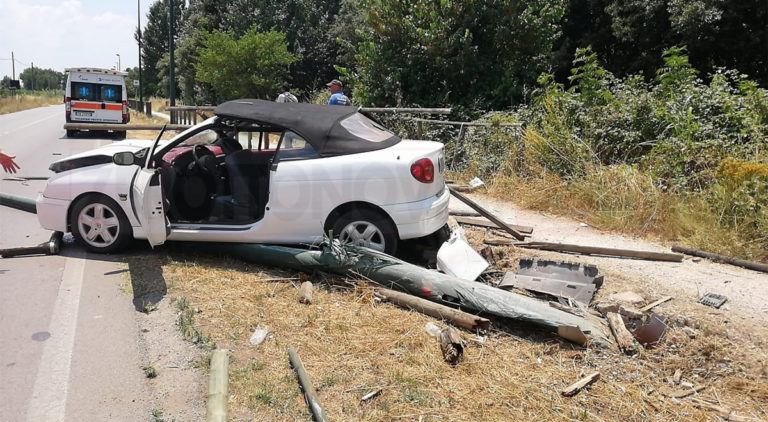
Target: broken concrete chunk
<point x="456" y="258"/>
<point x="631" y="298"/>
<point x="605" y="307"/>
<point x="630" y="312"/>
<point x="258" y="336"/>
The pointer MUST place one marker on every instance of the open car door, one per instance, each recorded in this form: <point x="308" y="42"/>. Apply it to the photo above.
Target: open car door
<point x="147" y="197"/>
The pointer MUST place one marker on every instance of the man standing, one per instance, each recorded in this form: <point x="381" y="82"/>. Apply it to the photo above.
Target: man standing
<point x="337" y="96"/>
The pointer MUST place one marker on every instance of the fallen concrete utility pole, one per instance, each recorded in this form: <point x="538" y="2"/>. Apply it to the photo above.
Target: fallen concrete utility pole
<point x="597" y="250"/>
<point x="454" y="316"/>
<point x="51" y="247"/>
<point x="485" y="213"/>
<point x="310" y="395"/>
<point x="723" y="258"/>
<point x="19" y="202"/>
<point x="217" y="387"/>
<point x="393" y="273"/>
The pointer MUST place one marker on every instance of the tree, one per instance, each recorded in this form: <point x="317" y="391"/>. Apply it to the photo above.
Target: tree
<point x="468" y="52"/>
<point x="252" y="66"/>
<point x="41" y="79"/>
<point x="309" y="28"/>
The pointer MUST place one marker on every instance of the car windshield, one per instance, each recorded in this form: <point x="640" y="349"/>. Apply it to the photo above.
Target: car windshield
<point x="363" y="127"/>
<point x="205" y="137"/>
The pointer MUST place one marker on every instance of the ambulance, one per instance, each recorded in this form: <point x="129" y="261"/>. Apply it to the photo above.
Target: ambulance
<point x="96" y="96"/>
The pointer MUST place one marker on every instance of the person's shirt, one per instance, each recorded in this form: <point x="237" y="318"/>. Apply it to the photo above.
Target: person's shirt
<point x="338" y="98"/>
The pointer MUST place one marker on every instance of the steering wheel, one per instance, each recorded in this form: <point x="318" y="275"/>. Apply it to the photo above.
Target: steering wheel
<point x="206" y="165"/>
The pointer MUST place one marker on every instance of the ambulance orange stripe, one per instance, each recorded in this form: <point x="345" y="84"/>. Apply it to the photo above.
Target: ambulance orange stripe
<point x="97" y="106"/>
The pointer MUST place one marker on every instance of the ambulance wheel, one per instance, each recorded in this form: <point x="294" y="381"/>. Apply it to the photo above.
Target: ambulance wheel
<point x="71" y="133"/>
<point x="120" y="135"/>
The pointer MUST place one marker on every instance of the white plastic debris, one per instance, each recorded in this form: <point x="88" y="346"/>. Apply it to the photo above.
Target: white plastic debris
<point x="456" y="258"/>
<point x="583" y="225"/>
<point x="258" y="336"/>
<point x="432" y="329"/>
<point x="476" y="182"/>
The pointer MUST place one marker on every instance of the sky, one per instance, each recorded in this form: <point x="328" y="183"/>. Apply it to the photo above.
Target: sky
<point x="57" y="34"/>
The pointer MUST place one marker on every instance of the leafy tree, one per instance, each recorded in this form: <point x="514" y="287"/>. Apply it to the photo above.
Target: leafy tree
<point x="41" y="79"/>
<point x="252" y="66"/>
<point x="452" y="52"/>
<point x="309" y="28"/>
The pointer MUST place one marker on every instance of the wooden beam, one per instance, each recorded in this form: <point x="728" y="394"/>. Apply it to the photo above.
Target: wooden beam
<point x="119" y="127"/>
<point x="487" y="214"/>
<point x="723" y="259"/>
<point x="217" y="387"/>
<point x="482" y="124"/>
<point x="623" y="337"/>
<point x="454" y="316"/>
<point x="597" y="250"/>
<point x="451" y="345"/>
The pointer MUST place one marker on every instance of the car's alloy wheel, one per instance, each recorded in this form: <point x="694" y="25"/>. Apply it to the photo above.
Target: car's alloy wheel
<point x="99" y="224"/>
<point x="366" y="228"/>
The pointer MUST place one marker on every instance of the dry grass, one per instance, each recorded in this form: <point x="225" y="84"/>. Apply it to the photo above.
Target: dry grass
<point x="28" y="101"/>
<point x="352" y="345"/>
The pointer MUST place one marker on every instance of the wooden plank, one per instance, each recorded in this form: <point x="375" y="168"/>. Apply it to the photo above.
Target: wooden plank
<point x="723" y="259"/>
<point x="623" y="337"/>
<point x="596" y="250"/>
<point x="574" y="388"/>
<point x="485" y="213"/>
<point x="679" y="394"/>
<point x="454" y="316"/>
<point x="310" y="394"/>
<point x="489" y="224"/>
<point x="652" y="305"/>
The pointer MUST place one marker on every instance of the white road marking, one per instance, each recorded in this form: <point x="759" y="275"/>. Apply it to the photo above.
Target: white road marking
<point x="49" y="395"/>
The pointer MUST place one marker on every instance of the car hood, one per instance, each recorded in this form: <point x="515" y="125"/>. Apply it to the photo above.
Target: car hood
<point x="101" y="155"/>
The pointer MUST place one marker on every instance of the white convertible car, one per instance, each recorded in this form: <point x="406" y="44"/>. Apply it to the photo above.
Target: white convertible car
<point x="256" y="172"/>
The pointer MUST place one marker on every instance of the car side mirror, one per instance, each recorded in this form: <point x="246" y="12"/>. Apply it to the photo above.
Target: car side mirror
<point x="125" y="158"/>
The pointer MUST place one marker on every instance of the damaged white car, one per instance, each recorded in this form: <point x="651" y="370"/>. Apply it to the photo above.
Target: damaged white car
<point x="256" y="172"/>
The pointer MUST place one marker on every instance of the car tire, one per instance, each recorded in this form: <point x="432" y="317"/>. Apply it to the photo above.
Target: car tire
<point x="363" y="227"/>
<point x="71" y="133"/>
<point x="99" y="224"/>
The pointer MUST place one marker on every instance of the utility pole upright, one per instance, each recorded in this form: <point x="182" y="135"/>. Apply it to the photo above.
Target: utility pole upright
<point x="13" y="66"/>
<point x="171" y="76"/>
<point x="141" y="83"/>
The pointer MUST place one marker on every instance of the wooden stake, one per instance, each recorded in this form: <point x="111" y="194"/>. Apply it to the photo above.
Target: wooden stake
<point x="305" y="293"/>
<point x="574" y="388"/>
<point x="454" y="316"/>
<point x="310" y="395"/>
<point x="451" y="345"/>
<point x="623" y="337"/>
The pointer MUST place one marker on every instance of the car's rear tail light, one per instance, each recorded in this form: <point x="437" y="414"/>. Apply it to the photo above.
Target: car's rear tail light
<point x="125" y="110"/>
<point x="68" y="105"/>
<point x="423" y="170"/>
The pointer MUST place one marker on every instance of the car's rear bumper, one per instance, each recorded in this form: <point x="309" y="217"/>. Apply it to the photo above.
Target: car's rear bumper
<point x="52" y="213"/>
<point x="421" y="218"/>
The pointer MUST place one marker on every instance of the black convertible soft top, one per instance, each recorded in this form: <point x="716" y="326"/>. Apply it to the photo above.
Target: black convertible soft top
<point x="320" y="125"/>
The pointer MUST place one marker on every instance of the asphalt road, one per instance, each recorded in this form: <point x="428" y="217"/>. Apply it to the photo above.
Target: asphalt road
<point x="68" y="333"/>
